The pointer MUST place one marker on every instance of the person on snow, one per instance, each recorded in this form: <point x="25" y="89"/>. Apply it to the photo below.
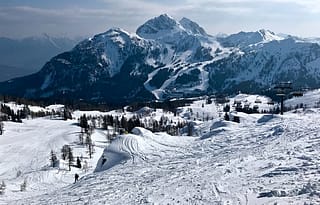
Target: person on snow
<point x="103" y="160"/>
<point x="85" y="166"/>
<point x="76" y="178"/>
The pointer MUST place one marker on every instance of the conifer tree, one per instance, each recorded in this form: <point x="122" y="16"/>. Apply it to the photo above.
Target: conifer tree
<point x="84" y="123"/>
<point x="190" y="128"/>
<point x="70" y="157"/>
<point x="226" y="117"/>
<point x="67" y="114"/>
<point x="1" y="127"/>
<point x="64" y="152"/>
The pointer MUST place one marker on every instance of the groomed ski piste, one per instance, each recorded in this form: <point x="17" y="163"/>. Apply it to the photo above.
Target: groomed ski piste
<point x="264" y="159"/>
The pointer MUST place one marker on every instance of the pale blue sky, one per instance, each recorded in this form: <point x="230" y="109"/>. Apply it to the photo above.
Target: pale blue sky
<point x="20" y="18"/>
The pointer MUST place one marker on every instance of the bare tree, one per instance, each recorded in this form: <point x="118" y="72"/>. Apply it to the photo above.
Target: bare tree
<point x="81" y="138"/>
<point x="90" y="145"/>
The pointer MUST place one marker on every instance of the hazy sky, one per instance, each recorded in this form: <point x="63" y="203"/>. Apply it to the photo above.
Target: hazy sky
<point x="20" y="18"/>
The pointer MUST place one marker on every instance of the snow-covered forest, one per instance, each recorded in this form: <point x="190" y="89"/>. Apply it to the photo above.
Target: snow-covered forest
<point x="235" y="150"/>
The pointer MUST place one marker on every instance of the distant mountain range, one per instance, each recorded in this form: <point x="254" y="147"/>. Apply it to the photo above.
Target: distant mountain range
<point x="20" y="57"/>
<point x="167" y="58"/>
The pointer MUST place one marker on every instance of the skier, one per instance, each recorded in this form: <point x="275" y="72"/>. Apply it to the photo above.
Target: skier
<point x="85" y="166"/>
<point x="103" y="160"/>
<point x="76" y="178"/>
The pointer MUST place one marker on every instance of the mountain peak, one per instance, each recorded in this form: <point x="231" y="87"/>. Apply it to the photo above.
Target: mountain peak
<point x="116" y="30"/>
<point x="192" y="27"/>
<point x="115" y="34"/>
<point x="166" y="28"/>
<point x="268" y="35"/>
<point x="158" y="26"/>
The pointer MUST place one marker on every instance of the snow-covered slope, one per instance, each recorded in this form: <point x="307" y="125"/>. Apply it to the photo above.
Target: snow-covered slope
<point x="310" y="99"/>
<point x="265" y="160"/>
<point x="25" y="155"/>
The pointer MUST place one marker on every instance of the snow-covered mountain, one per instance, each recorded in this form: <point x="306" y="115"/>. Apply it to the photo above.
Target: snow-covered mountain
<point x="20" y="57"/>
<point x="167" y="58"/>
<point x="243" y="39"/>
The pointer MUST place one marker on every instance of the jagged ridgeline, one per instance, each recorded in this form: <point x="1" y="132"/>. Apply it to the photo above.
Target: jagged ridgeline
<point x="167" y="58"/>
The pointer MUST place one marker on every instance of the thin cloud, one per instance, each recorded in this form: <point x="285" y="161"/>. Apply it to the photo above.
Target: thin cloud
<point x="214" y="15"/>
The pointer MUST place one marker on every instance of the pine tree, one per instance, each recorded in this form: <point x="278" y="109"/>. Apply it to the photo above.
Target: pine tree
<point x="226" y="117"/>
<point x="25" y="112"/>
<point x="226" y="108"/>
<point x="1" y="127"/>
<point x="84" y="123"/>
<point x="70" y="157"/>
<point x="124" y="123"/>
<point x="190" y="128"/>
<point x="64" y="152"/>
<point x="78" y="162"/>
<point x="67" y="114"/>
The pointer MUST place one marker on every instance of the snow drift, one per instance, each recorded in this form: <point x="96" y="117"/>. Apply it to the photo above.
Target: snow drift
<point x="136" y="147"/>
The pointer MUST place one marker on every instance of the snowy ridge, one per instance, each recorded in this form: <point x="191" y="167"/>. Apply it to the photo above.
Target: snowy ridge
<point x="114" y="47"/>
<point x="244" y="39"/>
<point x="192" y="27"/>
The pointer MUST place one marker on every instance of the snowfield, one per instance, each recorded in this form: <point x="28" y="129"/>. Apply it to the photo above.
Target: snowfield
<point x="25" y="154"/>
<point x="264" y="159"/>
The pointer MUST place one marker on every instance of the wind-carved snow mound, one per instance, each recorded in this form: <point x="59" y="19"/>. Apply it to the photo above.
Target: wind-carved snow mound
<point x="136" y="147"/>
<point x="217" y="127"/>
<point x="265" y="118"/>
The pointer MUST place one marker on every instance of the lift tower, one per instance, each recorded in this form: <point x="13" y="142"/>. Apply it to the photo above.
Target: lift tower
<point x="282" y="89"/>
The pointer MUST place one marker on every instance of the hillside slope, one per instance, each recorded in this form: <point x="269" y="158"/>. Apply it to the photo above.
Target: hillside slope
<point x="266" y="159"/>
